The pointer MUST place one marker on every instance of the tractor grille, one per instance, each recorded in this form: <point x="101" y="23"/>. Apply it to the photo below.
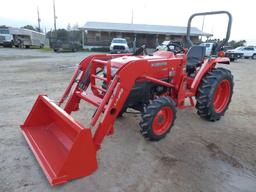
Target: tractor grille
<point x="119" y="47"/>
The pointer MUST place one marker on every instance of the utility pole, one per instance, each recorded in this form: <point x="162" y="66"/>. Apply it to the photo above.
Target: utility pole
<point x="54" y="15"/>
<point x="38" y="20"/>
<point x="203" y="26"/>
<point x="203" y="23"/>
<point x="132" y="15"/>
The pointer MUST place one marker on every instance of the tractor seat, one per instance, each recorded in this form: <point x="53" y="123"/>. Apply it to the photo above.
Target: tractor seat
<point x="195" y="57"/>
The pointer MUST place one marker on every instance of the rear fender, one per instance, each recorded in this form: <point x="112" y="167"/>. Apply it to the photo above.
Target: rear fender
<point x="207" y="66"/>
<point x="222" y="60"/>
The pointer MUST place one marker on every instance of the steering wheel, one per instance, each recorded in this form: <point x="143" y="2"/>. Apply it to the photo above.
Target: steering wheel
<point x="142" y="49"/>
<point x="174" y="50"/>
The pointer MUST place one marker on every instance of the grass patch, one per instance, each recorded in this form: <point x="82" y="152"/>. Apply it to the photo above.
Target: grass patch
<point x="46" y="48"/>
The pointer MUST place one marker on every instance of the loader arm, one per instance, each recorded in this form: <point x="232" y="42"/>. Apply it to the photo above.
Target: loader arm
<point x="84" y="68"/>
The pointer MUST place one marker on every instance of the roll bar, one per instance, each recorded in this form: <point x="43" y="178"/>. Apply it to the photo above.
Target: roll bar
<point x="190" y="43"/>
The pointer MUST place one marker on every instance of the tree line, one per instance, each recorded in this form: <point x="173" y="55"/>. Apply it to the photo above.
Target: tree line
<point x="231" y="43"/>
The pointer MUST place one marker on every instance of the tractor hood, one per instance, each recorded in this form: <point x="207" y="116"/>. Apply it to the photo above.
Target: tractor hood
<point x="121" y="61"/>
<point x="117" y="63"/>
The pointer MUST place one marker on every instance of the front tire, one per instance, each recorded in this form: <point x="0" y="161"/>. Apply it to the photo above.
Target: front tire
<point x="214" y="94"/>
<point x="254" y="56"/>
<point x="158" y="118"/>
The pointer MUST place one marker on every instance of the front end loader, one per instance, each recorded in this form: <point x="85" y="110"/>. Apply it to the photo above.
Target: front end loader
<point x="155" y="85"/>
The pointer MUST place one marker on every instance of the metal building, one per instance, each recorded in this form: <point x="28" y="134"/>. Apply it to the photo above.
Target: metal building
<point x="101" y="33"/>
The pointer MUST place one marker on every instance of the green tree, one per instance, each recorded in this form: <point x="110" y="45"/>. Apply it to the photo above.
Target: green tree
<point x="237" y="43"/>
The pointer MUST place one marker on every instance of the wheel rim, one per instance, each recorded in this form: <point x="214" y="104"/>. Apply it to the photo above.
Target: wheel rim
<point x="221" y="96"/>
<point x="162" y="121"/>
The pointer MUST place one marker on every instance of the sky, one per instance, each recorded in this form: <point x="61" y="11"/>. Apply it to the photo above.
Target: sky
<point x="160" y="12"/>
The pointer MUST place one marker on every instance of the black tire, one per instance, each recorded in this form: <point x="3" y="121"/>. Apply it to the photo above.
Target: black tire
<point x="27" y="46"/>
<point x="150" y="113"/>
<point x="206" y="94"/>
<point x="254" y="56"/>
<point x="232" y="59"/>
<point x="19" y="43"/>
<point x="56" y="50"/>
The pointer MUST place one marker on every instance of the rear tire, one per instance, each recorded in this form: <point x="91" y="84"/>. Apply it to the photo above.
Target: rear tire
<point x="254" y="56"/>
<point x="158" y="118"/>
<point x="214" y="94"/>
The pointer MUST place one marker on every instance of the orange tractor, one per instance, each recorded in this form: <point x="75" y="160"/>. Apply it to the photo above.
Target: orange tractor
<point x="155" y="85"/>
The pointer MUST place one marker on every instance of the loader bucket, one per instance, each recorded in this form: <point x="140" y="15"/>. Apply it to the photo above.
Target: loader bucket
<point x="63" y="147"/>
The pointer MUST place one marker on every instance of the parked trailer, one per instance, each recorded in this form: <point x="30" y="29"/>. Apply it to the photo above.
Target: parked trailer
<point x="20" y="37"/>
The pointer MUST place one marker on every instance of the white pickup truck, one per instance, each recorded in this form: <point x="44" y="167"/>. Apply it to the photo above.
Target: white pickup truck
<point x="249" y="52"/>
<point x="119" y="45"/>
<point x="208" y="48"/>
<point x="246" y="52"/>
<point x="234" y="54"/>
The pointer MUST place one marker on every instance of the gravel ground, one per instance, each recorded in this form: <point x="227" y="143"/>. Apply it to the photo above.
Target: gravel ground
<point x="196" y="156"/>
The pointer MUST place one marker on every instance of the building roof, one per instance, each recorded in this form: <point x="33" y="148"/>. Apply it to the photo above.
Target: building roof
<point x="143" y="28"/>
<point x="23" y="31"/>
